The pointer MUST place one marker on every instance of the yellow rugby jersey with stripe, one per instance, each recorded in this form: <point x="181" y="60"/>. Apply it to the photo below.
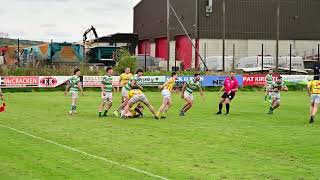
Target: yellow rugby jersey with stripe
<point x="133" y="92"/>
<point x="315" y="86"/>
<point x="170" y="84"/>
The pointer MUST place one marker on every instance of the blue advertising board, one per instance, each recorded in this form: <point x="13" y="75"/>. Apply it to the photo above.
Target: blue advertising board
<point x="208" y="81"/>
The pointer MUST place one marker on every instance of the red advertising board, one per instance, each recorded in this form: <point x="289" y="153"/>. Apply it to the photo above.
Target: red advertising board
<point x="19" y="81"/>
<point x="256" y="79"/>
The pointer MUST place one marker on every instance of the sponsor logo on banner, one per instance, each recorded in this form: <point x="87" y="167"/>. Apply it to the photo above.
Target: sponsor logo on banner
<point x="19" y="81"/>
<point x="52" y="81"/>
<point x="297" y="79"/>
<point x="152" y="80"/>
<point x="256" y="79"/>
<point x="95" y="81"/>
<point x="207" y="81"/>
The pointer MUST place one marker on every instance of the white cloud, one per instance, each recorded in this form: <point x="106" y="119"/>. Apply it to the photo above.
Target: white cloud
<point x="64" y="20"/>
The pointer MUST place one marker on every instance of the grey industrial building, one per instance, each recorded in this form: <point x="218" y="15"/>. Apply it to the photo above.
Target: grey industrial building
<point x="248" y="24"/>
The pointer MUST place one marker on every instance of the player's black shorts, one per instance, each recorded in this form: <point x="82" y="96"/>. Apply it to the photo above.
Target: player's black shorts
<point x="230" y="96"/>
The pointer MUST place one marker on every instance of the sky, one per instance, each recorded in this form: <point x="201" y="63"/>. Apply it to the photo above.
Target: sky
<point x="64" y="20"/>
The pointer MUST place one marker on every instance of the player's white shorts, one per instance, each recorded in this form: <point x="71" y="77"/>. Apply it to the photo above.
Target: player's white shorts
<point x="315" y="98"/>
<point x="74" y="95"/>
<point x="138" y="98"/>
<point x="276" y="95"/>
<point x="107" y="97"/>
<point x="187" y="95"/>
<point x="166" y="94"/>
<point x="124" y="92"/>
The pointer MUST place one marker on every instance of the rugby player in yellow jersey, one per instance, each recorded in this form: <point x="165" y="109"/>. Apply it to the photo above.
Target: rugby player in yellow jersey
<point x="166" y="94"/>
<point x="314" y="94"/>
<point x="124" y="79"/>
<point x="135" y="96"/>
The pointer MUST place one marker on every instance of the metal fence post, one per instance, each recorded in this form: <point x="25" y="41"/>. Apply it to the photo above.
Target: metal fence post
<point x="262" y="58"/>
<point x="290" y="66"/>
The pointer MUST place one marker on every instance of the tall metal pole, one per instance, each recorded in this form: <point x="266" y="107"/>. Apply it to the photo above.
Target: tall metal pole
<point x="233" y="56"/>
<point x="196" y="34"/>
<point x="262" y="58"/>
<point x="290" y="66"/>
<point x="168" y="35"/>
<point x="223" y="33"/>
<point x="278" y="35"/>
<point x="145" y="56"/>
<point x="18" y="53"/>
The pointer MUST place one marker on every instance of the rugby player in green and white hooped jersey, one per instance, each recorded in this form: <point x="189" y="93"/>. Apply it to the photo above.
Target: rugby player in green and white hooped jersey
<point x="74" y="85"/>
<point x="269" y="81"/>
<point x="133" y="82"/>
<point x="275" y="90"/>
<point x="106" y="92"/>
<point x="187" y="90"/>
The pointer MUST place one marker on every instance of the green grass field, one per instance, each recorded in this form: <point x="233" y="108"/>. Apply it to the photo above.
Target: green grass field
<point x="248" y="144"/>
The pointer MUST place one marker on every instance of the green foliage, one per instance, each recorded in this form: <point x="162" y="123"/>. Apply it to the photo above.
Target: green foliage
<point x="126" y="61"/>
<point x="121" y="53"/>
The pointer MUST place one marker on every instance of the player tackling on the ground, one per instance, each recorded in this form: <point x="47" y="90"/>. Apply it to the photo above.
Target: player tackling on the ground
<point x="106" y="93"/>
<point x="268" y="84"/>
<point x="275" y="90"/>
<point x="136" y="96"/>
<point x="230" y="88"/>
<point x="166" y="94"/>
<point x="187" y="90"/>
<point x="314" y="93"/>
<point x="74" y="84"/>
<point x="133" y="82"/>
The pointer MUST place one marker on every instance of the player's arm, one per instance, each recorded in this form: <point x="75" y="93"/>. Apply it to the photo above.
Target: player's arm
<point x="183" y="89"/>
<point x="164" y="85"/>
<point x="201" y="92"/>
<point x="102" y="86"/>
<point x="134" y="83"/>
<point x="119" y="84"/>
<point x="80" y="87"/>
<point x="222" y="89"/>
<point x="67" y="88"/>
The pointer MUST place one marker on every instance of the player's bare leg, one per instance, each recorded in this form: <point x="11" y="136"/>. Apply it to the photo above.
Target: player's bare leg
<point x="101" y="107"/>
<point x="313" y="112"/>
<point x="73" y="109"/>
<point x="187" y="106"/>
<point x="152" y="110"/>
<point x="164" y="107"/>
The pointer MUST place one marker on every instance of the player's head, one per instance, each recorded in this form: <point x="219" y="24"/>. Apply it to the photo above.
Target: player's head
<point x="139" y="72"/>
<point x="279" y="79"/>
<point x="270" y="71"/>
<point x="127" y="70"/>
<point x="232" y="75"/>
<point x="174" y="75"/>
<point x="316" y="78"/>
<point x="197" y="77"/>
<point x="109" y="70"/>
<point x="77" y="72"/>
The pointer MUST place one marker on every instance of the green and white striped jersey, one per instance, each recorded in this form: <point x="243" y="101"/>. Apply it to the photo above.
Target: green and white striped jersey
<point x="192" y="86"/>
<point x="107" y="82"/>
<point x="73" y="82"/>
<point x="134" y="78"/>
<point x="276" y="87"/>
<point x="269" y="79"/>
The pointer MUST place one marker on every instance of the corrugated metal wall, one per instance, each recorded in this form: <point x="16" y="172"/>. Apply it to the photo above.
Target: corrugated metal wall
<point x="245" y="19"/>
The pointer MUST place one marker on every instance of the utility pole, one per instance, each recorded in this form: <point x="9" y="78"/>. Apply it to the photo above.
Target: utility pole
<point x="223" y="33"/>
<point x="196" y="34"/>
<point x="278" y="35"/>
<point x="168" y="35"/>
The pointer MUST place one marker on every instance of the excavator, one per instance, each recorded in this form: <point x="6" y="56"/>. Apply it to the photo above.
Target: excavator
<point x="88" y="31"/>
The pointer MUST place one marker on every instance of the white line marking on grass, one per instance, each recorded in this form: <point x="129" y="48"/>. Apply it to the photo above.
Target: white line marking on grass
<point x="84" y="153"/>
